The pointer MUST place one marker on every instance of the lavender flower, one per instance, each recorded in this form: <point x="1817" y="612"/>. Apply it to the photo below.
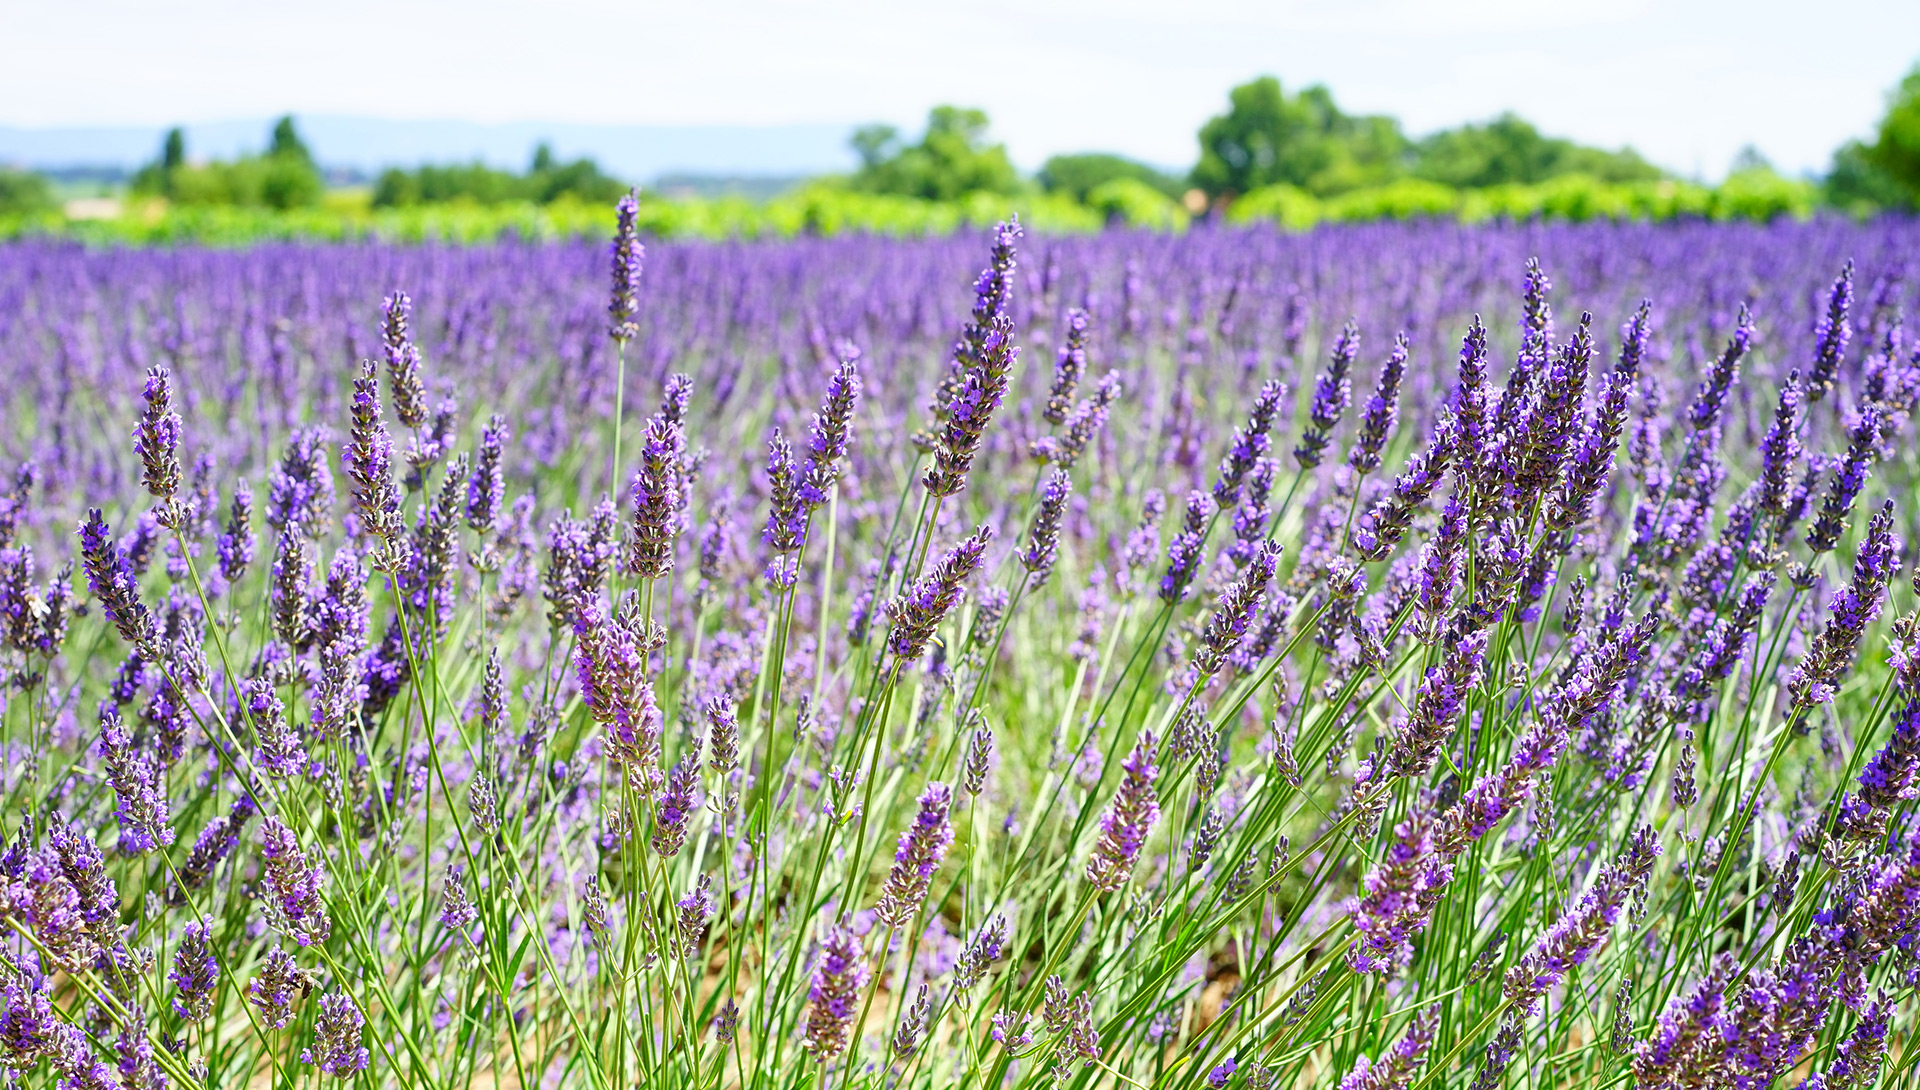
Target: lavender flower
<point x="656" y="500"/>
<point x="983" y="364"/>
<point x="1043" y="541"/>
<point x="840" y="974"/>
<point x="111" y="579"/>
<point x="832" y="430"/>
<point x="195" y="974"/>
<point x="1128" y="820"/>
<point x="628" y="255"/>
<point x="675" y="807"/>
<point x="696" y="909"/>
<point x="486" y="489"/>
<point x="1848" y="479"/>
<point x="295" y="883"/>
<point x="279" y="751"/>
<point x="1854" y="608"/>
<point x="156" y="439"/>
<point x="916" y="613"/>
<point x="337" y="1050"/>
<point x="920" y="850"/>
<point x="1250" y="444"/>
<point x="369" y="462"/>
<point x="1395" y="1070"/>
<point x="1238" y="605"/>
<point x="1383" y="408"/>
<point x="1184" y="553"/>
<point x="1712" y="394"/>
<point x="138" y="786"/>
<point x="1830" y="335"/>
<point x="1332" y="392"/>
<point x="457" y="912"/>
<point x="272" y="990"/>
<point x="403" y="360"/>
<point x="1582" y="930"/>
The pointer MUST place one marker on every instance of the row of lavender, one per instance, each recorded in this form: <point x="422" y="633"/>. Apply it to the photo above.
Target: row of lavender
<point x="1264" y="672"/>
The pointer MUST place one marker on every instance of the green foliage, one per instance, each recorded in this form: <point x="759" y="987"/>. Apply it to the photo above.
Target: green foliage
<point x="24" y="193"/>
<point x="1268" y="138"/>
<point x="1080" y="175"/>
<point x="1758" y="193"/>
<point x="952" y="158"/>
<point x="1856" y="185"/>
<point x="546" y="181"/>
<point x="1896" y="151"/>
<point x="1134" y="203"/>
<point x="1509" y="150"/>
<point x="282" y="178"/>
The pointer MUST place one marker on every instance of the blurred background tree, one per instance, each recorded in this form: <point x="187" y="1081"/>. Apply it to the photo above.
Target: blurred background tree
<point x="282" y="177"/>
<point x="1885" y="173"/>
<point x="1079" y="175"/>
<point x="951" y="160"/>
<point x="1510" y="151"/>
<point x="1269" y="138"/>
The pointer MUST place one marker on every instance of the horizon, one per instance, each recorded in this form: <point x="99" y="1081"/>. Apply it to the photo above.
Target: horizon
<point x="1054" y="78"/>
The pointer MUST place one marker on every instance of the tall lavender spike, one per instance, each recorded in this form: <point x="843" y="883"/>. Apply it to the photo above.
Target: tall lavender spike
<point x="138" y="785"/>
<point x="786" y="530"/>
<point x="1584" y="928"/>
<point x="1250" y="444"/>
<point x="983" y="365"/>
<point x="917" y="612"/>
<point x="73" y="1057"/>
<point x="1441" y="698"/>
<point x="457" y="911"/>
<point x="1043" y="541"/>
<point x="831" y="433"/>
<point x="1128" y="820"/>
<point x="295" y="883"/>
<point x="920" y="850"/>
<point x="1848" y="479"/>
<point x="1332" y="393"/>
<point x="723" y="734"/>
<point x="1891" y="776"/>
<point x="979" y="760"/>
<point x="840" y="974"/>
<point x="403" y="360"/>
<point x="628" y="255"/>
<point x="656" y="500"/>
<point x="1830" y="335"/>
<point x="987" y="947"/>
<point x="1780" y="449"/>
<point x="195" y="973"/>
<point x="279" y="751"/>
<point x="1395" y="1070"/>
<point x="111" y="579"/>
<point x="337" y="1049"/>
<point x="1238" y="605"/>
<point x="1854" y="608"/>
<point x="156" y="439"/>
<point x="1185" y="552"/>
<point x="1067" y="368"/>
<point x="369" y="462"/>
<point x="272" y="991"/>
<point x="486" y="489"/>
<point x="1398" y="897"/>
<point x="237" y="544"/>
<point x="1383" y="408"/>
<point x="1088" y="418"/>
<point x="674" y="810"/>
<point x="1857" y="1060"/>
<point x="1712" y="394"/>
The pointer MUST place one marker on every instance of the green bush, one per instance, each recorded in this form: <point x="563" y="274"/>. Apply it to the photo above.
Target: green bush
<point x="24" y="193"/>
<point x="1135" y="203"/>
<point x="1291" y="207"/>
<point x="1408" y="198"/>
<point x="1763" y="195"/>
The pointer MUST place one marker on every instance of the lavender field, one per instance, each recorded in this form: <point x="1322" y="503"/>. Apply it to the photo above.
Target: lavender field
<point x="1390" y="657"/>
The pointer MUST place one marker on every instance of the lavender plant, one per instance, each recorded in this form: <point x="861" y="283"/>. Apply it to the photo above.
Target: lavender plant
<point x="1544" y="721"/>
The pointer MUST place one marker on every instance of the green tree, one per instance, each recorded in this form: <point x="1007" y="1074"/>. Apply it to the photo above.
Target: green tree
<point x="24" y="193"/>
<point x="1510" y="151"/>
<point x="952" y="158"/>
<point x="1896" y="149"/>
<point x="1268" y="138"/>
<point x="285" y="143"/>
<point x="1079" y="175"/>
<point x="173" y="149"/>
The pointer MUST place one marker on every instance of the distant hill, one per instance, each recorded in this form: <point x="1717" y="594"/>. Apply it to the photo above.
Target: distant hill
<point x="363" y="146"/>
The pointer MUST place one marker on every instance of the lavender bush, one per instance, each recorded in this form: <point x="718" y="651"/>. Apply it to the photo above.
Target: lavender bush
<point x="1390" y="657"/>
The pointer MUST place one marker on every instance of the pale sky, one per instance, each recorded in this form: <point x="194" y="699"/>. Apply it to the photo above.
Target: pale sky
<point x="1687" y="82"/>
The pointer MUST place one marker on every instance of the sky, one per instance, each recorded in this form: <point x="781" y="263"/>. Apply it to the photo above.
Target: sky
<point x="1686" y="82"/>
